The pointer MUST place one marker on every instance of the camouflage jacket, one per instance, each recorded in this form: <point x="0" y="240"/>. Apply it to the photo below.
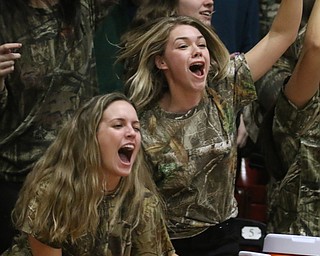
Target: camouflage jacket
<point x="55" y="74"/>
<point x="193" y="155"/>
<point x="149" y="237"/>
<point x="295" y="200"/>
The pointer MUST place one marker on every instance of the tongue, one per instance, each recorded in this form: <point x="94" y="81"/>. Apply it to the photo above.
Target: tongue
<point x="124" y="157"/>
<point x="198" y="72"/>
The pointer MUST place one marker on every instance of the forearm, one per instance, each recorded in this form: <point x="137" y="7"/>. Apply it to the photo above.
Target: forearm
<point x="313" y="29"/>
<point x="305" y="79"/>
<point x="287" y="21"/>
<point x="282" y="34"/>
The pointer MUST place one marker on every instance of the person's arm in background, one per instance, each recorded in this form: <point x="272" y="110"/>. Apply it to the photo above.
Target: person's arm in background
<point x="304" y="81"/>
<point x="282" y="34"/>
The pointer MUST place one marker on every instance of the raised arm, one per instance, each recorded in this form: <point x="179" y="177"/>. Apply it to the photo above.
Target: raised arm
<point x="282" y="34"/>
<point x="305" y="78"/>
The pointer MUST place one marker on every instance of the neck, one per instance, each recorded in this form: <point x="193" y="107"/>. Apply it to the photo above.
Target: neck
<point x="181" y="104"/>
<point x="111" y="184"/>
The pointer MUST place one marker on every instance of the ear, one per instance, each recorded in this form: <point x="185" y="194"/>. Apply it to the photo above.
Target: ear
<point x="160" y="62"/>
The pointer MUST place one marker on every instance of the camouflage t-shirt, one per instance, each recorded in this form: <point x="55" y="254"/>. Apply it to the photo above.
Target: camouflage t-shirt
<point x="193" y="155"/>
<point x="295" y="200"/>
<point x="149" y="237"/>
<point x="55" y="74"/>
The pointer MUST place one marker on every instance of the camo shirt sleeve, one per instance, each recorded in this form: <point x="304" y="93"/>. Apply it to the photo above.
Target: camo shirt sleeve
<point x="151" y="236"/>
<point x="297" y="135"/>
<point x="237" y="88"/>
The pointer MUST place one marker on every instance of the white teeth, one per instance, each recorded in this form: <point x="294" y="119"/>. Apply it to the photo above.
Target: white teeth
<point x="128" y="146"/>
<point x="207" y="13"/>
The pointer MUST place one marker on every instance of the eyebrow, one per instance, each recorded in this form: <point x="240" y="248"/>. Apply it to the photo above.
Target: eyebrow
<point x="187" y="38"/>
<point x="123" y="119"/>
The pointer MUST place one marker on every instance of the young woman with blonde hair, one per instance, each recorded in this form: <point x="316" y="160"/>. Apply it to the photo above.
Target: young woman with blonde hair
<point x="90" y="193"/>
<point x="188" y="93"/>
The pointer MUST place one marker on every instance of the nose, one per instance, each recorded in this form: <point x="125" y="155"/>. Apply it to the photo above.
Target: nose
<point x="209" y="3"/>
<point x="197" y="51"/>
<point x="130" y="132"/>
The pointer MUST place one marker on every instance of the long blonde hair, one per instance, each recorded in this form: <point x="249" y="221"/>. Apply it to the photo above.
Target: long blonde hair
<point x="145" y="83"/>
<point x="71" y="169"/>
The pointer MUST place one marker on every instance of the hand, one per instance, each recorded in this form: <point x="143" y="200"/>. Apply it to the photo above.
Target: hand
<point x="7" y="60"/>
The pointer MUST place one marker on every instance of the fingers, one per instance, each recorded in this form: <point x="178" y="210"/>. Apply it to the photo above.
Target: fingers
<point x="8" y="55"/>
<point x="9" y="48"/>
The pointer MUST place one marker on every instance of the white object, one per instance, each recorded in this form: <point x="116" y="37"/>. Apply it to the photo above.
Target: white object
<point x="251" y="233"/>
<point x="247" y="253"/>
<point x="292" y="244"/>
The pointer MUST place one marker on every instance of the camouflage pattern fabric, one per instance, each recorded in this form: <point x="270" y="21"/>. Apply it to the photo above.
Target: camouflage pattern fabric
<point x="193" y="156"/>
<point x="295" y="200"/>
<point x="268" y="10"/>
<point x="55" y="74"/>
<point x="149" y="237"/>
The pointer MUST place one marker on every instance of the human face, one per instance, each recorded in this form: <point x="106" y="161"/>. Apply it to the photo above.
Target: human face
<point x="186" y="60"/>
<point x="199" y="9"/>
<point x="119" y="141"/>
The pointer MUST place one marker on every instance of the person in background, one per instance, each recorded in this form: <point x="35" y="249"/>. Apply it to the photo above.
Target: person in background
<point x="150" y="10"/>
<point x="188" y="93"/>
<point x="292" y="142"/>
<point x="268" y="89"/>
<point x="237" y="23"/>
<point x="106" y="42"/>
<point x="47" y="70"/>
<point x="90" y="193"/>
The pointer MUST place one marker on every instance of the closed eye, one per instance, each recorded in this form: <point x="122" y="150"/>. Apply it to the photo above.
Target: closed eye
<point x="117" y="126"/>
<point x="182" y="46"/>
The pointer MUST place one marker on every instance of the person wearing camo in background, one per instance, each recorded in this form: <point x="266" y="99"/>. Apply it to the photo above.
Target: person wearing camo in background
<point x="47" y="70"/>
<point x="269" y="86"/>
<point x="291" y="142"/>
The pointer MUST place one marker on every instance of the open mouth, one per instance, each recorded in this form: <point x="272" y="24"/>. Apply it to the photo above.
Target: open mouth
<point x="125" y="153"/>
<point x="206" y="13"/>
<point x="197" y="68"/>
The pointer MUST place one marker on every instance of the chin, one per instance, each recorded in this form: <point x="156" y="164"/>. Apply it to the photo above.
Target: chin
<point x="124" y="172"/>
<point x="206" y="21"/>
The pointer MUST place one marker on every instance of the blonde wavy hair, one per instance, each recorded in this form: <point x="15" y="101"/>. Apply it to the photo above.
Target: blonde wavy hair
<point x="145" y="83"/>
<point x="71" y="169"/>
